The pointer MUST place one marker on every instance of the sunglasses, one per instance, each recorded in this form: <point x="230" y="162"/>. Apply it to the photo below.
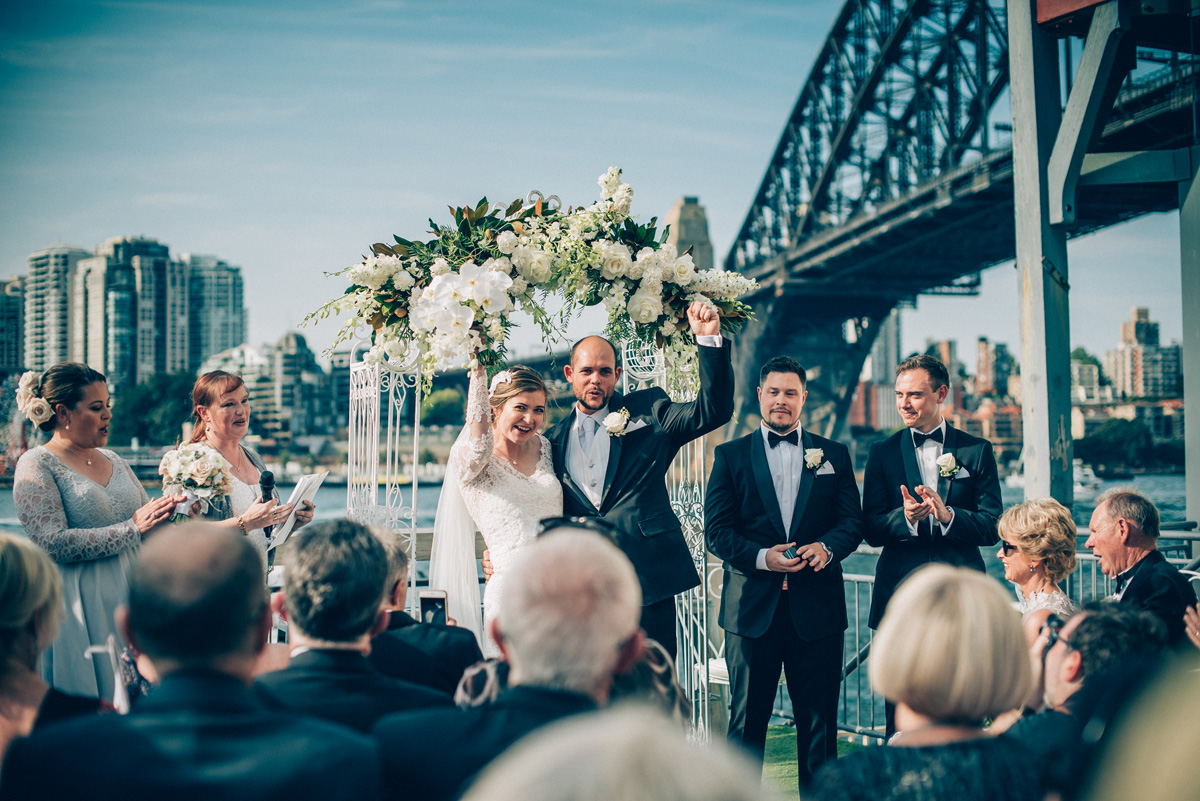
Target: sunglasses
<point x="1007" y="547"/>
<point x="1054" y="624"/>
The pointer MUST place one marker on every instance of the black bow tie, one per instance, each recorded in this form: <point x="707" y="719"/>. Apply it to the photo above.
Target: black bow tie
<point x="774" y="439"/>
<point x="919" y="438"/>
<point x="1121" y="580"/>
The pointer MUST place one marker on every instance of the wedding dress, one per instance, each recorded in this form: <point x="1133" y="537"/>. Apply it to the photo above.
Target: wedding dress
<point x="484" y="491"/>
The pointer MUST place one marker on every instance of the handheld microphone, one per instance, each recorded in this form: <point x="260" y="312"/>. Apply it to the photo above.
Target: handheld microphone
<point x="266" y="484"/>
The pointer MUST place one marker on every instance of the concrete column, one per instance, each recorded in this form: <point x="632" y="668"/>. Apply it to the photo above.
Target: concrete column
<point x="1189" y="266"/>
<point x="1041" y="259"/>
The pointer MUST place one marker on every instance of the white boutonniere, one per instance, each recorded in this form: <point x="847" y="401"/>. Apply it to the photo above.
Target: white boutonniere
<point x="813" y="458"/>
<point x="948" y="466"/>
<point x="617" y="422"/>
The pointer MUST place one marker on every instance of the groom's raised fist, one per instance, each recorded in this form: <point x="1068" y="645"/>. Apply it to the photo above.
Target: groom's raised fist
<point x="703" y="319"/>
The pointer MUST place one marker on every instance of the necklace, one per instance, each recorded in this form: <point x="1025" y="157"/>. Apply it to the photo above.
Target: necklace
<point x="69" y="448"/>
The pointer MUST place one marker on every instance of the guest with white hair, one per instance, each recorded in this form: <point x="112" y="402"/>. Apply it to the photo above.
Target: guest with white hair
<point x="627" y="753"/>
<point x="566" y="624"/>
<point x="950" y="654"/>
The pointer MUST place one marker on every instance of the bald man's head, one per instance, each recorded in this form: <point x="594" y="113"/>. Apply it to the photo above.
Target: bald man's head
<point x="197" y="595"/>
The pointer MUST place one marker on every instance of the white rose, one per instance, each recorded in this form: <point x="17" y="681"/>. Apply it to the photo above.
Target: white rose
<point x="813" y="458"/>
<point x="644" y="307"/>
<point x="30" y="380"/>
<point x="683" y="270"/>
<point x="539" y="266"/>
<point x="39" y="411"/>
<point x="506" y="243"/>
<point x="200" y="470"/>
<point x="947" y="465"/>
<point x="616" y="261"/>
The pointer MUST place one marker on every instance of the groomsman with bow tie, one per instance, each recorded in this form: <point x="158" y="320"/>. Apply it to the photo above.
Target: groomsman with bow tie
<point x="782" y="511"/>
<point x="931" y="492"/>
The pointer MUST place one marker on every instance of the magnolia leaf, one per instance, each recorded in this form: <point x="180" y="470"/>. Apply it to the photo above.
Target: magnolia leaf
<point x="380" y="249"/>
<point x="482" y="208"/>
<point x="518" y="227"/>
<point x="689" y="247"/>
<point x="468" y="213"/>
<point x="537" y="207"/>
<point x="513" y="207"/>
<point x="455" y="213"/>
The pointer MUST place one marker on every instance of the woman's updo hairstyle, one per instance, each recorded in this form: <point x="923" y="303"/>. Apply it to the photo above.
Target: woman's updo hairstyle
<point x="30" y="593"/>
<point x="205" y="392"/>
<point x="512" y="381"/>
<point x="64" y="384"/>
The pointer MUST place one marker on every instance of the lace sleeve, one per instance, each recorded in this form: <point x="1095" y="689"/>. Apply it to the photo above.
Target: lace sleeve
<point x="40" y="507"/>
<point x="473" y="447"/>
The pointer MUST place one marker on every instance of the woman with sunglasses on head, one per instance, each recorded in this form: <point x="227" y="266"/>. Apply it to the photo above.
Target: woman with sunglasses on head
<point x="1037" y="549"/>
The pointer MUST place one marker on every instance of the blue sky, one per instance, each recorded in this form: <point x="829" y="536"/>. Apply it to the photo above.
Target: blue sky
<point x="287" y="137"/>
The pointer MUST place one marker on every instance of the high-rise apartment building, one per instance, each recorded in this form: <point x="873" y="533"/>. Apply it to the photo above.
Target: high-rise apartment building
<point x="218" y="316"/>
<point x="49" y="305"/>
<point x="12" y="324"/>
<point x="106" y="319"/>
<point x="1140" y="367"/>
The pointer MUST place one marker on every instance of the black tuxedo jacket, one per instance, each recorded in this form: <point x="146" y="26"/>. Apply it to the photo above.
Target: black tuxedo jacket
<point x="433" y="754"/>
<point x="635" y="489"/>
<point x="1157" y="586"/>
<point x="742" y="516"/>
<point x="197" y="736"/>
<point x="974" y="496"/>
<point x="424" y="653"/>
<point x="341" y="686"/>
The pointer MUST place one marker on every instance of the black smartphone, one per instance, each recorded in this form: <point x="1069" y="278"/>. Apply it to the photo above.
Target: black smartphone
<point x="790" y="553"/>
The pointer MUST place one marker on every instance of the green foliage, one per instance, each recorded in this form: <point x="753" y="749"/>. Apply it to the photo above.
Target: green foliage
<point x="443" y="407"/>
<point x="1081" y="355"/>
<point x="426" y="456"/>
<point x="1118" y="442"/>
<point x="153" y="411"/>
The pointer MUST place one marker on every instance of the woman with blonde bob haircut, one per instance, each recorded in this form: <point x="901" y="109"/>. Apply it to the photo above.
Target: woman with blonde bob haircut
<point x="951" y="654"/>
<point x="1037" y="549"/>
<point x="31" y="609"/>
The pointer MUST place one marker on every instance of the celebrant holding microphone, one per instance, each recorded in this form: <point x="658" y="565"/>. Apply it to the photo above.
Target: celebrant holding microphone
<point x="81" y="504"/>
<point x="221" y="412"/>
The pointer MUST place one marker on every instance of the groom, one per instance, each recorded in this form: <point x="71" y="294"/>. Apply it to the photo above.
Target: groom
<point x="618" y="471"/>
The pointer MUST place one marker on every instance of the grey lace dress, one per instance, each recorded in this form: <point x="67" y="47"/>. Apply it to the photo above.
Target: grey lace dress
<point x="88" y="530"/>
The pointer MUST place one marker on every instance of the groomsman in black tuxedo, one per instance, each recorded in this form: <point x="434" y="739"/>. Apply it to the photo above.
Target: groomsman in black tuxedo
<point x="783" y="510"/>
<point x="931" y="492"/>
<point x="613" y="451"/>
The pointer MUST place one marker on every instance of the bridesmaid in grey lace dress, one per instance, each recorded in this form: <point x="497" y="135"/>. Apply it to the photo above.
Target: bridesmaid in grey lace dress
<point x="82" y="504"/>
<point x="1037" y="549"/>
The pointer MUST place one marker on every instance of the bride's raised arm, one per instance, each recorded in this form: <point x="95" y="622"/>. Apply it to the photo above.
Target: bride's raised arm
<point x="471" y="450"/>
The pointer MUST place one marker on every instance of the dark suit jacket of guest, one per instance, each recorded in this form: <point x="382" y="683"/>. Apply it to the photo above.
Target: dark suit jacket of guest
<point x="425" y="653"/>
<point x="341" y="686"/>
<point x="974" y="497"/>
<point x="1157" y="586"/>
<point x="742" y="516"/>
<point x="432" y="754"/>
<point x="199" y="736"/>
<point x="634" y="498"/>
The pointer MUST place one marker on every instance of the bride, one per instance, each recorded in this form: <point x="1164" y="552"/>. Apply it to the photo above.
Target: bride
<point x="500" y="479"/>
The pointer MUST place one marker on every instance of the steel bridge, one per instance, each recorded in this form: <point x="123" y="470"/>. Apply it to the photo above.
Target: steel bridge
<point x="893" y="178"/>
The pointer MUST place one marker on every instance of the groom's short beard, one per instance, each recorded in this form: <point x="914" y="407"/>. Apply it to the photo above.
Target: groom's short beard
<point x="779" y="429"/>
<point x="583" y="402"/>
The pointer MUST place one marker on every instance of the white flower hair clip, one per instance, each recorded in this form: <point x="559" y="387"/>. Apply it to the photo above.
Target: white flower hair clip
<point x="29" y="401"/>
<point x="502" y="377"/>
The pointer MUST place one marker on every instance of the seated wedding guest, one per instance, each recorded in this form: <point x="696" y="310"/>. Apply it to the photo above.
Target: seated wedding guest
<point x="198" y="610"/>
<point x="1124" y="538"/>
<point x="1037" y="549"/>
<point x="425" y="653"/>
<point x="1151" y="755"/>
<point x="627" y="753"/>
<point x="950" y="653"/>
<point x="1096" y="659"/>
<point x="566" y="623"/>
<point x="333" y="588"/>
<point x="1191" y="624"/>
<point x="30" y="608"/>
<point x="221" y="417"/>
<point x="82" y="504"/>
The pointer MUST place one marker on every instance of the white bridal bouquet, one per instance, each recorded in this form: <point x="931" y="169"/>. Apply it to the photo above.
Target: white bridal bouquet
<point x="451" y="297"/>
<point x="197" y="471"/>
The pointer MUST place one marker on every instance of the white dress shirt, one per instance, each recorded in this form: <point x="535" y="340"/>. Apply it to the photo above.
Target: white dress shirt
<point x="588" y="464"/>
<point x="927" y="455"/>
<point x="786" y="462"/>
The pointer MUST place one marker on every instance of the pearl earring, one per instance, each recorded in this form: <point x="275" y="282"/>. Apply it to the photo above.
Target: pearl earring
<point x="68" y="426"/>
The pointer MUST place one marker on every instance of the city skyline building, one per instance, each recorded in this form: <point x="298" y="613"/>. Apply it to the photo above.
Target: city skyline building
<point x="218" y="312"/>
<point x="689" y="229"/>
<point x="12" y="324"/>
<point x="49" y="304"/>
<point x="1140" y="367"/>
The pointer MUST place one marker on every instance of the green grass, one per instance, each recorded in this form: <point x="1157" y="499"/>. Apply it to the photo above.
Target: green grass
<point x="779" y="763"/>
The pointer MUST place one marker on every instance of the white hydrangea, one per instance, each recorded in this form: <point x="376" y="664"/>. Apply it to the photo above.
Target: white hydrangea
<point x="506" y="243"/>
